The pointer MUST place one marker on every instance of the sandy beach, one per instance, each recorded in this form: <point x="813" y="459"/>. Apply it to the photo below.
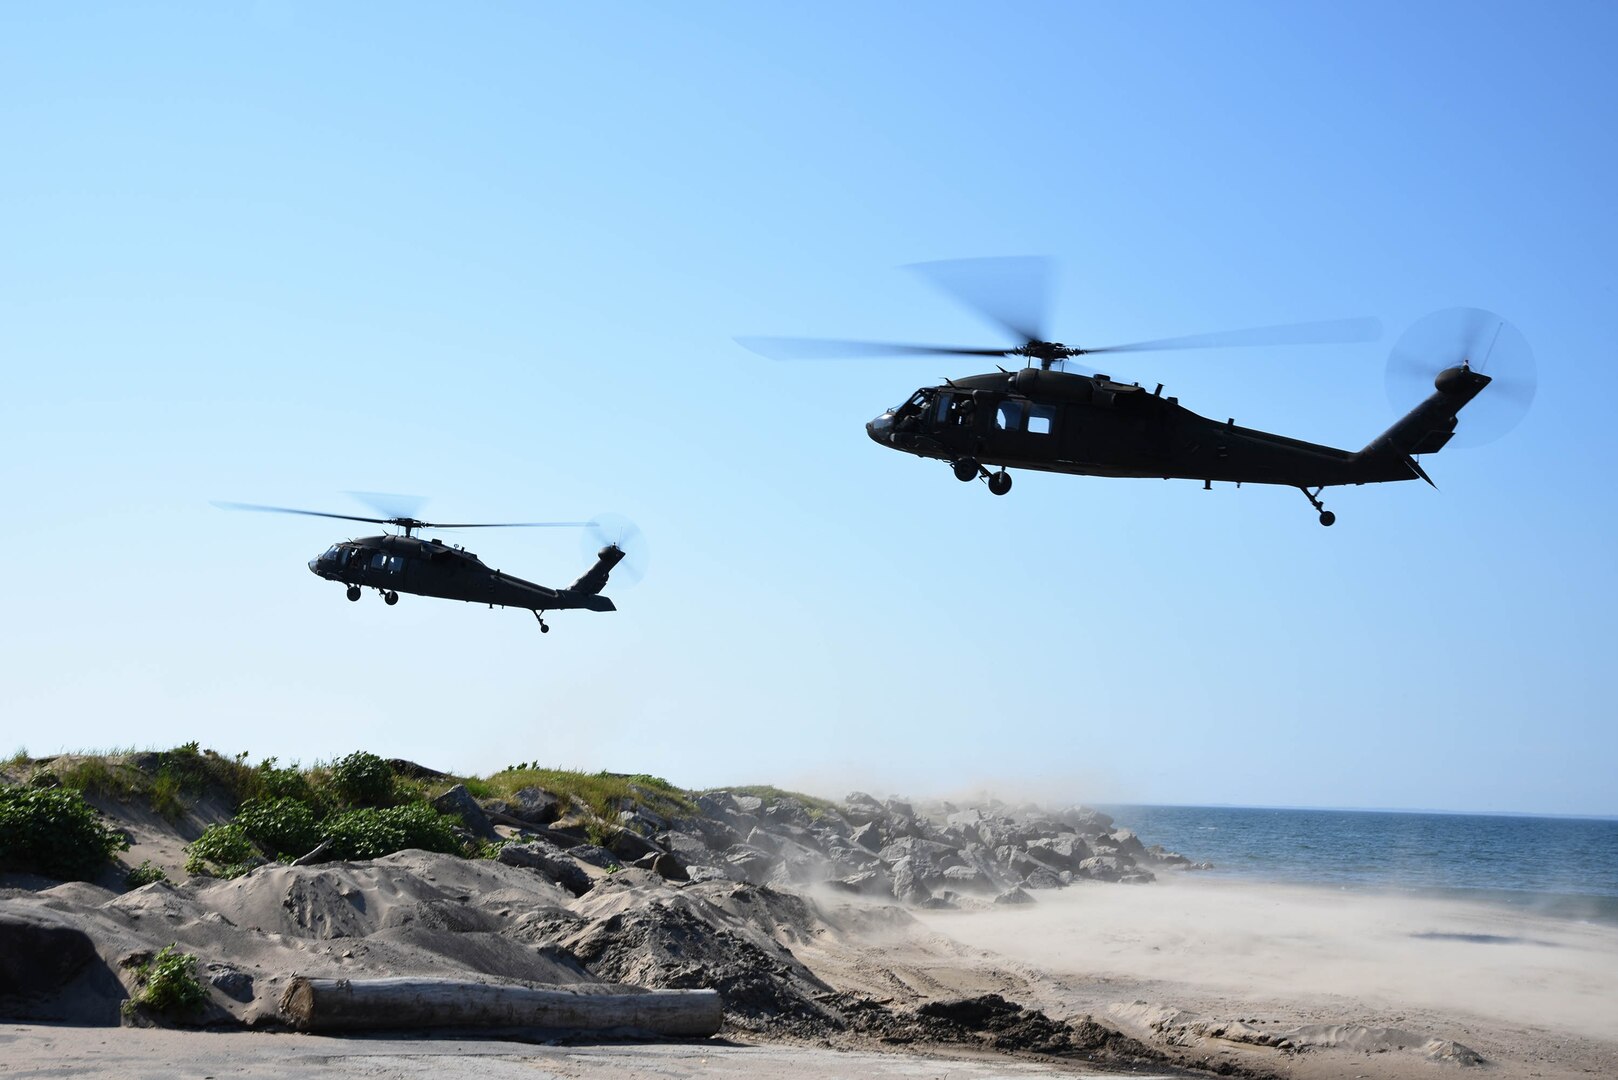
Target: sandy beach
<point x="915" y="965"/>
<point x="1358" y="983"/>
<point x="1532" y="995"/>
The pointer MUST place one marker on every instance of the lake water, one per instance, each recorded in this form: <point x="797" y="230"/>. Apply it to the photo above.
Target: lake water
<point x="1550" y="865"/>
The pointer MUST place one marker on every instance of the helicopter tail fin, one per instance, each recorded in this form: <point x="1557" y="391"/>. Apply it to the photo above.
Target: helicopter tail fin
<point x="1426" y="428"/>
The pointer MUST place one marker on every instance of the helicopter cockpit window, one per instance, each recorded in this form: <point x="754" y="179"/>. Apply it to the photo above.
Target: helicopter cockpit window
<point x="1041" y="418"/>
<point x="1008" y="417"/>
<point x="941" y="414"/>
<point x="332" y="553"/>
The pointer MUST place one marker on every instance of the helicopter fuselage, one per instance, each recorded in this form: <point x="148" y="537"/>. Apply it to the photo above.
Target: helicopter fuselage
<point x="429" y="567"/>
<point x="1056" y="421"/>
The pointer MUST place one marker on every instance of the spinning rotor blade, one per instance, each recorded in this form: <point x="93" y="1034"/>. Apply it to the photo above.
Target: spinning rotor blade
<point x="509" y="525"/>
<point x="615" y="530"/>
<point x="1481" y="339"/>
<point x="783" y="348"/>
<point x="406" y="522"/>
<point x="306" y="513"/>
<point x="391" y="505"/>
<point x="1330" y="332"/>
<point x="1013" y="291"/>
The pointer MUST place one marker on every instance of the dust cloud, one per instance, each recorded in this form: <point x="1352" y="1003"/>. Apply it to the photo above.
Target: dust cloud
<point x="1237" y="946"/>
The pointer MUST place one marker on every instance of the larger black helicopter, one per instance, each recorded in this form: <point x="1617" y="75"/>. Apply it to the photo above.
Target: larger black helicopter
<point x="1048" y="417"/>
<point x="397" y="563"/>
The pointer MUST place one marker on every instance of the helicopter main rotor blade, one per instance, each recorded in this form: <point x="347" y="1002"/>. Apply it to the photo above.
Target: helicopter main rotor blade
<point x="1013" y="291"/>
<point x="510" y="525"/>
<point x="408" y="522"/>
<point x="1331" y="332"/>
<point x="784" y="348"/>
<point x="306" y="513"/>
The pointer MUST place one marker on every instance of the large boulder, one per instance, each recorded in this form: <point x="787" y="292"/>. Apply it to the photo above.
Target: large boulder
<point x="549" y="860"/>
<point x="1103" y="867"/>
<point x="39" y="955"/>
<point x="861" y="809"/>
<point x="1063" y="852"/>
<point x="457" y="802"/>
<point x="928" y="856"/>
<point x="664" y="865"/>
<point x="908" y="886"/>
<point x="534" y="805"/>
<point x="629" y="845"/>
<point x="868" y="836"/>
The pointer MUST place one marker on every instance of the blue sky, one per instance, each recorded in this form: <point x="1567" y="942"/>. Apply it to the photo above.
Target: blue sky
<point x="496" y="256"/>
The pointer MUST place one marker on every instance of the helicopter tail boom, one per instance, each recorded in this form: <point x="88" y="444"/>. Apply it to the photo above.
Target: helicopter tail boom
<point x="595" y="579"/>
<point x="1426" y="428"/>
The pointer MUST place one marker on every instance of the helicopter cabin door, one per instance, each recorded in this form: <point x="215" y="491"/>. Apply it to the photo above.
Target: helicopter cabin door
<point x="1023" y="430"/>
<point x="385" y="571"/>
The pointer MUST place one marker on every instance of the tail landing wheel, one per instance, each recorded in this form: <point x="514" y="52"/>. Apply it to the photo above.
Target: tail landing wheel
<point x="543" y="629"/>
<point x="1326" y="516"/>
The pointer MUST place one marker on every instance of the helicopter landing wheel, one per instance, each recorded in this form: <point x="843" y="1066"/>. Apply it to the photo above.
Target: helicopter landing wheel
<point x="543" y="629"/>
<point x="353" y="592"/>
<point x="966" y="470"/>
<point x="1326" y="516"/>
<point x="390" y="598"/>
<point x="999" y="483"/>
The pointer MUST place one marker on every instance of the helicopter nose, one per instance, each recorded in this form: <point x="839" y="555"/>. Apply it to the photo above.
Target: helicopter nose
<point x="880" y="428"/>
<point x="314" y="565"/>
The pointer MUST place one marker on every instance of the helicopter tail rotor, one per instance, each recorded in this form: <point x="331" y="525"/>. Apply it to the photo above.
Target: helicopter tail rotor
<point x="619" y="548"/>
<point x="1475" y="341"/>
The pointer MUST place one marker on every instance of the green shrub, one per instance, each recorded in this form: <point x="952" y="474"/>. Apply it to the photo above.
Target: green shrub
<point x="144" y="874"/>
<point x="222" y="851"/>
<point x="164" y="795"/>
<point x="362" y="779"/>
<point x="95" y="776"/>
<point x="270" y="782"/>
<point x="53" y="831"/>
<point x="169" y="984"/>
<point x="279" y="826"/>
<point x="369" y="833"/>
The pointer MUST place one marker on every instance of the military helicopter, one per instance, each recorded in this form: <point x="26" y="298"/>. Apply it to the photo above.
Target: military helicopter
<point x="1052" y="418"/>
<point x="403" y="562"/>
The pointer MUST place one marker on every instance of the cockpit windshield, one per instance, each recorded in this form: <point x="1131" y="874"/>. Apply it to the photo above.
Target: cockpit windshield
<point x="917" y="403"/>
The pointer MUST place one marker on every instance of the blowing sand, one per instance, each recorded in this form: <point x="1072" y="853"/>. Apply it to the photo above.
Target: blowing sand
<point x="1535" y="996"/>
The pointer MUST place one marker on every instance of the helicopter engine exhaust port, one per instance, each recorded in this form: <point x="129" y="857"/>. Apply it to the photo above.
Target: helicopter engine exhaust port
<point x="353" y="592"/>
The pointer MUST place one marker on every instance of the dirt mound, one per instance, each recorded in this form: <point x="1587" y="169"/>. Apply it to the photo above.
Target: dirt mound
<point x="718" y="935"/>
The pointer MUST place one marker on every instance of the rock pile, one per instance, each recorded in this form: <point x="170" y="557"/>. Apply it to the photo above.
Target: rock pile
<point x="934" y="856"/>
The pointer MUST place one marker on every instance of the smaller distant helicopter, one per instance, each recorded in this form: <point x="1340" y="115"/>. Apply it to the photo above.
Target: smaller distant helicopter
<point x="405" y="563"/>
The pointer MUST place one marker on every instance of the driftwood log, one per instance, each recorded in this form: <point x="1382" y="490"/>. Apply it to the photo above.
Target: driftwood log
<point x="423" y="1004"/>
